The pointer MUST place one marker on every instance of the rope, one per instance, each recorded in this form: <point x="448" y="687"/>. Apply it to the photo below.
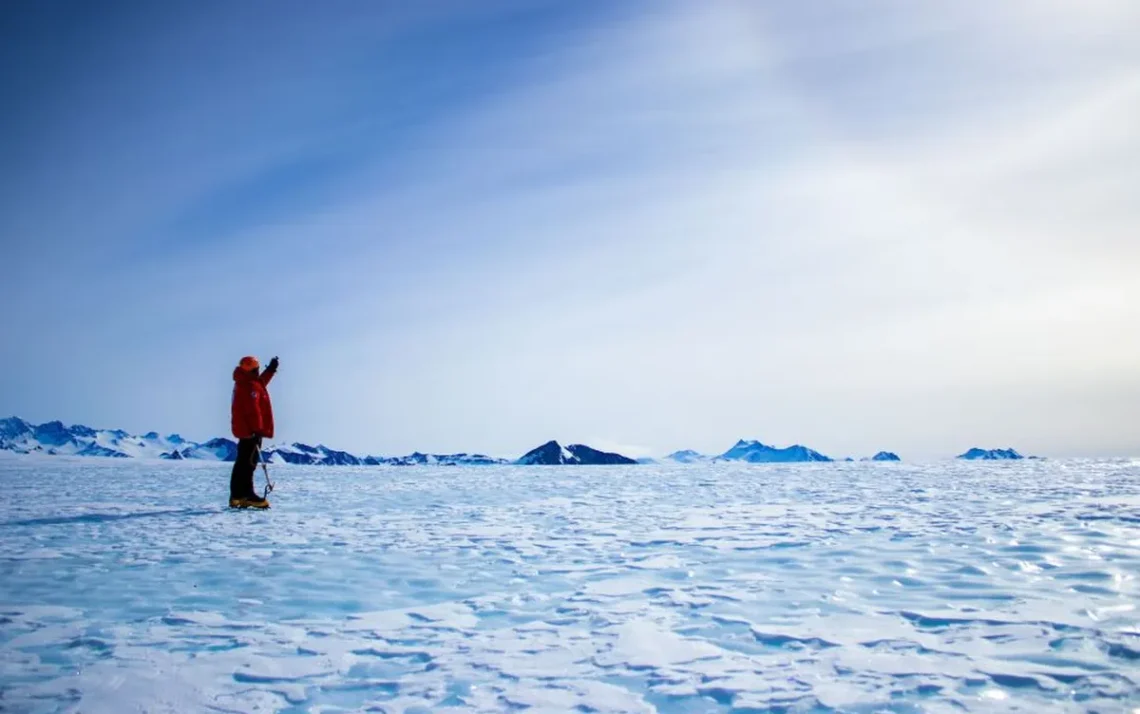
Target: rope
<point x="265" y="470"/>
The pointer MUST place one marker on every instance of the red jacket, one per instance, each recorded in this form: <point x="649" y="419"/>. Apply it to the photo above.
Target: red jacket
<point x="251" y="410"/>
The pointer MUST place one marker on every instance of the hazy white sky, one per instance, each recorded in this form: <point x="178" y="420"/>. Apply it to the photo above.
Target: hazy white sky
<point x="642" y="226"/>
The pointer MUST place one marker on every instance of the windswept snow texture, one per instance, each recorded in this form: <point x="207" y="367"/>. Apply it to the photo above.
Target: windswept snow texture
<point x="966" y="586"/>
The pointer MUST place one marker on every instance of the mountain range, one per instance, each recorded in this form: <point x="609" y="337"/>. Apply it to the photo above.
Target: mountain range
<point x="55" y="438"/>
<point x="755" y="452"/>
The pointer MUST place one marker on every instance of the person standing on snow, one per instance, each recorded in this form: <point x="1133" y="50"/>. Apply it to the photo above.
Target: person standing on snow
<point x="251" y="416"/>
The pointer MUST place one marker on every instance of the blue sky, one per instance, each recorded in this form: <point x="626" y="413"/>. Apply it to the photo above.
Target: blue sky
<point x="643" y="225"/>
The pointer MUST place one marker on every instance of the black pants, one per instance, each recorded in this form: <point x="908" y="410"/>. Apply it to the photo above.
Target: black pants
<point x="241" y="479"/>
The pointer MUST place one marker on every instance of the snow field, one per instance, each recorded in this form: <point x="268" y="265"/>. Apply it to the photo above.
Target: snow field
<point x="127" y="586"/>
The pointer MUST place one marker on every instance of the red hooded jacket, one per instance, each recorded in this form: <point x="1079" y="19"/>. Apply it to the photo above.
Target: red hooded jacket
<point x="251" y="412"/>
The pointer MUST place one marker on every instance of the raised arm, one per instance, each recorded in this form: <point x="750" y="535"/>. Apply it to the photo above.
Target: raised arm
<point x="267" y="376"/>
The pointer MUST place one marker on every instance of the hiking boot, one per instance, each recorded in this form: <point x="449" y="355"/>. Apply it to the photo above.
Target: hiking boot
<point x="250" y="501"/>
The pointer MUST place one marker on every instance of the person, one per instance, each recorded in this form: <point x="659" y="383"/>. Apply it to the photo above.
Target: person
<point x="251" y="416"/>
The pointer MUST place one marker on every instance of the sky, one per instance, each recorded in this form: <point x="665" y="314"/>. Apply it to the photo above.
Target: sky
<point x="644" y="226"/>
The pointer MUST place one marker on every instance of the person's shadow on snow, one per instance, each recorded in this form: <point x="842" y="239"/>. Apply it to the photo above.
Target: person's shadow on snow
<point x="107" y="517"/>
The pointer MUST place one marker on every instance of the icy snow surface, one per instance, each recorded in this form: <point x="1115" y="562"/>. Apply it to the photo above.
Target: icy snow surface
<point x="127" y="586"/>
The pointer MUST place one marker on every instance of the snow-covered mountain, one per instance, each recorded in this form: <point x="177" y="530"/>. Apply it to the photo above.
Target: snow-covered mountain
<point x="56" y="439"/>
<point x="976" y="454"/>
<point x="755" y="452"/>
<point x="552" y="453"/>
<point x="418" y="459"/>
<point x="750" y="451"/>
<point x="213" y="450"/>
<point x="885" y="456"/>
<point x="686" y="456"/>
<point x="322" y="455"/>
<point x="310" y="455"/>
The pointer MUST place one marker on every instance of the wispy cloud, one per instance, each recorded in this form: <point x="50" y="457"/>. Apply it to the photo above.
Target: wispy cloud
<point x="858" y="227"/>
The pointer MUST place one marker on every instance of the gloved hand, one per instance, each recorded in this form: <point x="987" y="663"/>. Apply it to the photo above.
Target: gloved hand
<point x="272" y="365"/>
